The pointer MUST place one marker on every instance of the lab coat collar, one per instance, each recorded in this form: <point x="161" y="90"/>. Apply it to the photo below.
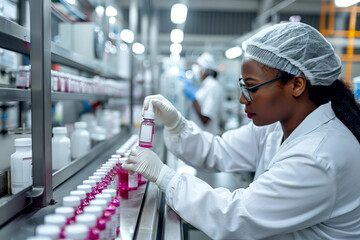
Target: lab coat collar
<point x="206" y="80"/>
<point x="318" y="117"/>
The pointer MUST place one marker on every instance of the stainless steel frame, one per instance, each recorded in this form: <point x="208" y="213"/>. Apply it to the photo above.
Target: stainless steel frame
<point x="14" y="37"/>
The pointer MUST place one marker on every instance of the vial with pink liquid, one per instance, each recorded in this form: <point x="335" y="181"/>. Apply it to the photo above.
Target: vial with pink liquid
<point x="77" y="232"/>
<point x="58" y="220"/>
<point x="68" y="213"/>
<point x="115" y="202"/>
<point x="100" y="222"/>
<point x="112" y="209"/>
<point x="90" y="220"/>
<point x="88" y="186"/>
<point x="82" y="195"/>
<point x="74" y="202"/>
<point x="106" y="215"/>
<point x="147" y="128"/>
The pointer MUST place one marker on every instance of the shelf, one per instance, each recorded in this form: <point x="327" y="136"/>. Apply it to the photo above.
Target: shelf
<point x="69" y="58"/>
<point x="14" y="37"/>
<point x="14" y="94"/>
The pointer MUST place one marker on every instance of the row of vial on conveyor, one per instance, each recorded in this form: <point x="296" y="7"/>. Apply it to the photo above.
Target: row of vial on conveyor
<point x="65" y="82"/>
<point x="92" y="210"/>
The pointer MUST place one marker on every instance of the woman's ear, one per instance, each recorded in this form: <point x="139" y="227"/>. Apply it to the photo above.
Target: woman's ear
<point x="298" y="85"/>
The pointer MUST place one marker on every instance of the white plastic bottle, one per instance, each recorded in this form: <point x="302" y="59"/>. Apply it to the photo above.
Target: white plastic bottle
<point x="77" y="232"/>
<point x="60" y="148"/>
<point x="48" y="230"/>
<point x="80" y="140"/>
<point x="21" y="165"/>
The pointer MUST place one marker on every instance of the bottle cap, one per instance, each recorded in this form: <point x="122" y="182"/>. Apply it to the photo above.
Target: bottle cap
<point x="115" y="156"/>
<point x="99" y="202"/>
<point x="71" y="201"/>
<point x="60" y="130"/>
<point x="38" y="238"/>
<point x="78" y="193"/>
<point x="149" y="113"/>
<point x="76" y="231"/>
<point x="107" y="169"/>
<point x="22" y="142"/>
<point x="95" y="210"/>
<point x="100" y="173"/>
<point x="120" y="152"/>
<point x="67" y="212"/>
<point x="81" y="125"/>
<point x="92" y="183"/>
<point x="105" y="196"/>
<point x="87" y="219"/>
<point x="55" y="219"/>
<point x="95" y="178"/>
<point x="122" y="160"/>
<point x="112" y="192"/>
<point x="112" y="160"/>
<point x="48" y="230"/>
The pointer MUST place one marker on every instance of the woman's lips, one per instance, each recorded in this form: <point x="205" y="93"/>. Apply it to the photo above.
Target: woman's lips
<point x="251" y="115"/>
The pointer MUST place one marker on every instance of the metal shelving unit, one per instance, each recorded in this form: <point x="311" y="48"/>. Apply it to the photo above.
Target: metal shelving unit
<point x="43" y="53"/>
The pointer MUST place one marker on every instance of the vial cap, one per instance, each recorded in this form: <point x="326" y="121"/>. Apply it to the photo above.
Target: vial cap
<point x="99" y="202"/>
<point x="112" y="192"/>
<point x="149" y="113"/>
<point x="92" y="183"/>
<point x="120" y="152"/>
<point x="95" y="210"/>
<point x="60" y="130"/>
<point x="85" y="188"/>
<point x="105" y="196"/>
<point x="22" y="142"/>
<point x="76" y="231"/>
<point x="115" y="161"/>
<point x="38" y="238"/>
<point x="78" y="193"/>
<point x="100" y="173"/>
<point x="81" y="125"/>
<point x="67" y="212"/>
<point x="95" y="178"/>
<point x="71" y="201"/>
<point x="110" y="165"/>
<point x="55" y="219"/>
<point x="115" y="156"/>
<point x="107" y="169"/>
<point x="48" y="230"/>
<point x="122" y="160"/>
<point x="86" y="219"/>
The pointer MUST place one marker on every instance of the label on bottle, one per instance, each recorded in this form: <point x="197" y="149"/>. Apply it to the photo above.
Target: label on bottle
<point x="133" y="182"/>
<point x="146" y="132"/>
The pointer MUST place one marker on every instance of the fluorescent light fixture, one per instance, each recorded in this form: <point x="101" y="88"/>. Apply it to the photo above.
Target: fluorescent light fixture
<point x="138" y="48"/>
<point x="72" y="2"/>
<point x="233" y="52"/>
<point x="174" y="70"/>
<point x="177" y="36"/>
<point x="175" y="48"/>
<point x="112" y="20"/>
<point x="174" y="57"/>
<point x="111" y="11"/>
<point x="100" y="10"/>
<point x="127" y="35"/>
<point x="345" y="3"/>
<point x="178" y="13"/>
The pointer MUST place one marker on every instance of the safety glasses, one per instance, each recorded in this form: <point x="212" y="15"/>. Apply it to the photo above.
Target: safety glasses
<point x="247" y="90"/>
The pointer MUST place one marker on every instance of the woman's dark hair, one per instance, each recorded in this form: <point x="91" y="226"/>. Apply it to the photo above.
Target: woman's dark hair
<point x="342" y="102"/>
<point x="209" y="72"/>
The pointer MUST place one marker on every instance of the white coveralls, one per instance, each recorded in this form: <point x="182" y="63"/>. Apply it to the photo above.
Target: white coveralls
<point x="210" y="99"/>
<point x="305" y="188"/>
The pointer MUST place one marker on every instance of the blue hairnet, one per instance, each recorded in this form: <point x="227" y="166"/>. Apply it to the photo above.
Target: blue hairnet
<point x="296" y="48"/>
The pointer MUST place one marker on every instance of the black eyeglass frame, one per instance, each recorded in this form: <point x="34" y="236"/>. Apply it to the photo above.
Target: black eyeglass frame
<point x="247" y="90"/>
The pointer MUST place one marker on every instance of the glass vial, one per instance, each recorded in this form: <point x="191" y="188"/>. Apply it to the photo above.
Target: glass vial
<point x="147" y="128"/>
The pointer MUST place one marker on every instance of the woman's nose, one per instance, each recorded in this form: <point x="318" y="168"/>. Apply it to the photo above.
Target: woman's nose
<point x="243" y="100"/>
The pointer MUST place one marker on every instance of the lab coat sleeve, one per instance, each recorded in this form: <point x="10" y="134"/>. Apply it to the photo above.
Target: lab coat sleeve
<point x="234" y="151"/>
<point x="294" y="194"/>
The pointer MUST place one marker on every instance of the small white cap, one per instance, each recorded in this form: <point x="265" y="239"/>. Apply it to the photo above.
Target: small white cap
<point x="78" y="193"/>
<point x="92" y="183"/>
<point x="100" y="173"/>
<point x="122" y="160"/>
<point x="86" y="219"/>
<point x="76" y="231"/>
<point x="112" y="192"/>
<point x="55" y="219"/>
<point x="115" y="156"/>
<point x="71" y="201"/>
<point x="81" y="125"/>
<point x="105" y="196"/>
<point x="120" y="152"/>
<point x="110" y="165"/>
<point x="107" y="169"/>
<point x="85" y="188"/>
<point x="95" y="178"/>
<point x="60" y="130"/>
<point x="99" y="202"/>
<point x="67" y="212"/>
<point x="38" y="238"/>
<point x="112" y="160"/>
<point x="22" y="142"/>
<point x="149" y="113"/>
<point x="95" y="210"/>
<point x="48" y="230"/>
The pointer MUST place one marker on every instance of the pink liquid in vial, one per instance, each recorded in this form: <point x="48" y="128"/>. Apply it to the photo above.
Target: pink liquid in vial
<point x="146" y="136"/>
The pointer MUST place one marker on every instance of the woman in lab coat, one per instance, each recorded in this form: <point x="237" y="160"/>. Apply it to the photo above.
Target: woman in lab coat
<point x="302" y="143"/>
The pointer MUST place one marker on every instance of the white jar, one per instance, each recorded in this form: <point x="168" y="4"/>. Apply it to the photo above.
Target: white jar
<point x="21" y="165"/>
<point x="60" y="148"/>
<point x="80" y="140"/>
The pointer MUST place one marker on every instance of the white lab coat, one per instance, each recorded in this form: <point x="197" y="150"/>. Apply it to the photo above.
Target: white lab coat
<point x="210" y="97"/>
<point x="305" y="188"/>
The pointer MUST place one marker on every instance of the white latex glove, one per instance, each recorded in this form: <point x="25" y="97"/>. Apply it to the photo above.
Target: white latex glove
<point x="166" y="113"/>
<point x="145" y="162"/>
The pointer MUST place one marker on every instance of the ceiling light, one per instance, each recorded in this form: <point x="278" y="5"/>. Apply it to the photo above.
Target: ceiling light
<point x="111" y="11"/>
<point x="178" y="13"/>
<point x="100" y="10"/>
<point x="175" y="48"/>
<point x="177" y="36"/>
<point x="138" y="48"/>
<point x="233" y="53"/>
<point x="127" y="35"/>
<point x="345" y="3"/>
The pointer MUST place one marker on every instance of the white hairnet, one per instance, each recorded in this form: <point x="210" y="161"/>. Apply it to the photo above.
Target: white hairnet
<point x="206" y="60"/>
<point x="296" y="48"/>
